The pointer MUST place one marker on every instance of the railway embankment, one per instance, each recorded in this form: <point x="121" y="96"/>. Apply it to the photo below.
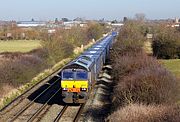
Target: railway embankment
<point x="99" y="104"/>
<point x="18" y="69"/>
<point x="16" y="91"/>
<point x="144" y="90"/>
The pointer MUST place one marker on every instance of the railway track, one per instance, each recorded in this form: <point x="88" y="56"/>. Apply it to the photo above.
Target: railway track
<point x="32" y="92"/>
<point x="31" y="89"/>
<point x="48" y="93"/>
<point x="66" y="115"/>
<point x="35" y="115"/>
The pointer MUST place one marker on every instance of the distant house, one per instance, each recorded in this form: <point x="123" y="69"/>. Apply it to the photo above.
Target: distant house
<point x="149" y="36"/>
<point x="30" y="23"/>
<point x="117" y="24"/>
<point x="51" y="31"/>
<point x="70" y="24"/>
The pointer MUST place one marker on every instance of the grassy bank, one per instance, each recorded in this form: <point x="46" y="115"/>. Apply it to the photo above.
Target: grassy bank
<point x="173" y="65"/>
<point x="19" y="45"/>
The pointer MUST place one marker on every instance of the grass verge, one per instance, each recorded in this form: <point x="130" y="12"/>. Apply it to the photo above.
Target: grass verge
<point x="173" y="65"/>
<point x="19" y="45"/>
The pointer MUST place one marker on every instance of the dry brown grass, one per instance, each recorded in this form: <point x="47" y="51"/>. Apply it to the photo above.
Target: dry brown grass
<point x="18" y="68"/>
<point x="144" y="113"/>
<point x="129" y="62"/>
<point x="5" y="88"/>
<point x="148" y="85"/>
<point x="140" y="79"/>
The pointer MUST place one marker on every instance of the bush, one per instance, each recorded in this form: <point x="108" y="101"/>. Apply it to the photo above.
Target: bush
<point x="128" y="46"/>
<point x="132" y="30"/>
<point x="95" y="31"/>
<point x="58" y="49"/>
<point x="61" y="44"/>
<point x="76" y="36"/>
<point x="144" y="113"/>
<point x="128" y="63"/>
<point x="150" y="85"/>
<point x="18" y="68"/>
<point x="140" y="78"/>
<point x="130" y="39"/>
<point x="166" y="44"/>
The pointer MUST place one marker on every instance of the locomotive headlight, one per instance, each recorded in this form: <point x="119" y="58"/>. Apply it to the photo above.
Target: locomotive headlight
<point x="83" y="89"/>
<point x="65" y="89"/>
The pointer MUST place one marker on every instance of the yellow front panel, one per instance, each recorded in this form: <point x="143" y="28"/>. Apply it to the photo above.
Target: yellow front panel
<point x="75" y="84"/>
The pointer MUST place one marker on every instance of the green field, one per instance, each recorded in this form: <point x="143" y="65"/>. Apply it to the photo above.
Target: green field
<point x="19" y="45"/>
<point x="173" y="65"/>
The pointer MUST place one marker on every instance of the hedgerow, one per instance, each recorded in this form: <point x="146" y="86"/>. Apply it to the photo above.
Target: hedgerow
<point x="139" y="79"/>
<point x="166" y="43"/>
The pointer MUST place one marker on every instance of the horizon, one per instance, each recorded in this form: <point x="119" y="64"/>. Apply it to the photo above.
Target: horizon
<point x="20" y="10"/>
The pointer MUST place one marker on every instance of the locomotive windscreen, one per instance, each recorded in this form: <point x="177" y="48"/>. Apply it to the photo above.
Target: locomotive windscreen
<point x="74" y="74"/>
<point x="82" y="75"/>
<point x="67" y="74"/>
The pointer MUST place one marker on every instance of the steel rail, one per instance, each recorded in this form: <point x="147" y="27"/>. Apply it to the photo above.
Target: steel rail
<point x="42" y="107"/>
<point x="61" y="113"/>
<point x="52" y="74"/>
<point x="79" y="113"/>
<point x="32" y="102"/>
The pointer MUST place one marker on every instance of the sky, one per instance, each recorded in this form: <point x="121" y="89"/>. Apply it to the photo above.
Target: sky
<point x="88" y="9"/>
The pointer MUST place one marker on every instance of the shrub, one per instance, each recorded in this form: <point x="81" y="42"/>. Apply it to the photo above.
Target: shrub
<point x="130" y="39"/>
<point x="127" y="46"/>
<point x="131" y="30"/>
<point x="166" y="44"/>
<point x="76" y="36"/>
<point x="58" y="49"/>
<point x="128" y="63"/>
<point x="144" y="113"/>
<point x="61" y="44"/>
<point x="150" y="85"/>
<point x="19" y="68"/>
<point x="95" y="31"/>
<point x="140" y="78"/>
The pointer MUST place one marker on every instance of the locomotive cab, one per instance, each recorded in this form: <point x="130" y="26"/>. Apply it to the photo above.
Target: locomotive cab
<point x="79" y="76"/>
<point x="76" y="81"/>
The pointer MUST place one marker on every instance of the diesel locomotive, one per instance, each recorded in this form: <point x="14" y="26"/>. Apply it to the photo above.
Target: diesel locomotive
<point x="79" y="76"/>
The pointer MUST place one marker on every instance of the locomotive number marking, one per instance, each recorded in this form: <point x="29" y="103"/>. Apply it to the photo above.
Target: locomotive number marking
<point x="74" y="90"/>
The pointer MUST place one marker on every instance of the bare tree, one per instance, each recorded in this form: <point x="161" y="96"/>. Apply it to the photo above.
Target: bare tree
<point x="140" y="17"/>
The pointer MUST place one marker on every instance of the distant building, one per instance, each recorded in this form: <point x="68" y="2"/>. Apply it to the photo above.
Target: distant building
<point x="70" y="24"/>
<point x="51" y="31"/>
<point x="149" y="36"/>
<point x="54" y="24"/>
<point x="117" y="24"/>
<point x="30" y="23"/>
<point x="176" y="20"/>
<point x="174" y="23"/>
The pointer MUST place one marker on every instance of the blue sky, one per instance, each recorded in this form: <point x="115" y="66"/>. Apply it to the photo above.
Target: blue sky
<point x="89" y="9"/>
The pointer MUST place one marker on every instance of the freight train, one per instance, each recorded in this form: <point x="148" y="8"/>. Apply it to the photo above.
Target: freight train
<point x="78" y="77"/>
